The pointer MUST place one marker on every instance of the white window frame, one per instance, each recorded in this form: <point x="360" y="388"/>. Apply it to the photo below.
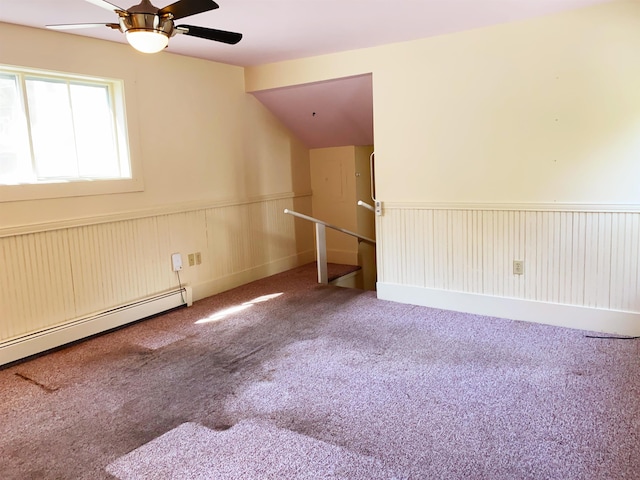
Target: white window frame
<point x="131" y="181"/>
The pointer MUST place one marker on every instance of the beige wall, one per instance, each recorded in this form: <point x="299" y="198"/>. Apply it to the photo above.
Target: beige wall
<point x="536" y="116"/>
<point x="333" y="185"/>
<point x="542" y="111"/>
<point x="517" y="142"/>
<point x="217" y="170"/>
<point x="196" y="133"/>
<point x="366" y="223"/>
<point x="366" y="218"/>
<point x="340" y="176"/>
<point x="526" y="112"/>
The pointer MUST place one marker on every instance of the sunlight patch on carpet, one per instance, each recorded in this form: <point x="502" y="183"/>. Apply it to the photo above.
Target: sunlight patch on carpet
<point x="154" y="339"/>
<point x="251" y="449"/>
<point x="222" y="314"/>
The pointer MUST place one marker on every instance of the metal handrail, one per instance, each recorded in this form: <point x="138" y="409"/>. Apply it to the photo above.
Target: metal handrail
<point x="371" y="176"/>
<point x="343" y="230"/>
<point x="321" y="242"/>
<point x="366" y="205"/>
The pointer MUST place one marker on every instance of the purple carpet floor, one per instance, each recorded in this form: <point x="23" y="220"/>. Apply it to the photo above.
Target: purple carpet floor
<point x="284" y="378"/>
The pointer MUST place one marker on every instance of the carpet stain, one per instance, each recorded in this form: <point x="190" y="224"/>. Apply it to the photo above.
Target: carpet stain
<point x="35" y="382"/>
<point x="221" y="427"/>
<point x="232" y="365"/>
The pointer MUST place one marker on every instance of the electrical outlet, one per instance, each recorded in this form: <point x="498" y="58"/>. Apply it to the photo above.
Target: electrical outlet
<point x="198" y="258"/>
<point x="192" y="260"/>
<point x="518" y="267"/>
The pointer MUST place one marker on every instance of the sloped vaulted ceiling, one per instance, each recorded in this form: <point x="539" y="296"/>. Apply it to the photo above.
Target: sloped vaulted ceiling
<point x="325" y="114"/>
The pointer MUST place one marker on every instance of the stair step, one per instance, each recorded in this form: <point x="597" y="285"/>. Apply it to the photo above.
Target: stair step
<point x="336" y="270"/>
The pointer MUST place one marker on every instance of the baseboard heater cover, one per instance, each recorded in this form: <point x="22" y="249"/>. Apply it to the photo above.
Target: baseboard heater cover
<point x="46" y="339"/>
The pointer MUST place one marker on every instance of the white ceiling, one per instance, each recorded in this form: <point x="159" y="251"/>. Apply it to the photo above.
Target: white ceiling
<point x="276" y="30"/>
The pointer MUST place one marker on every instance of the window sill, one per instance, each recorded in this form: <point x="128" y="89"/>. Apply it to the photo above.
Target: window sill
<point x="15" y="193"/>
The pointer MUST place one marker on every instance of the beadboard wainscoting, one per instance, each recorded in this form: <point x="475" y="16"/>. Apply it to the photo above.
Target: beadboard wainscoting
<point x="581" y="263"/>
<point x="55" y="274"/>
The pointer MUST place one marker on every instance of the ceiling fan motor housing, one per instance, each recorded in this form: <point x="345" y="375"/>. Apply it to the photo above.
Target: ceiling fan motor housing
<point x="147" y="22"/>
<point x="148" y="28"/>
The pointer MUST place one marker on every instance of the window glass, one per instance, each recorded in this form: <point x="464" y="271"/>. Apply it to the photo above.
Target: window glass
<point x="15" y="155"/>
<point x="94" y="128"/>
<point x="57" y="128"/>
<point x="51" y="129"/>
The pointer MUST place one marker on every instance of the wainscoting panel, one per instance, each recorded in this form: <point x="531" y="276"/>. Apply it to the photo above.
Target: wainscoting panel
<point x="581" y="258"/>
<point x="49" y="278"/>
<point x="36" y="285"/>
<point x="116" y="263"/>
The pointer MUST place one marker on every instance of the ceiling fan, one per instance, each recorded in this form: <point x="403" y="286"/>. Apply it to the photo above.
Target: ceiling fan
<point x="148" y="28"/>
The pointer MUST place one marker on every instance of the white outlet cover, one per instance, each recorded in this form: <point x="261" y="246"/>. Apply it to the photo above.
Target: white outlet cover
<point x="176" y="262"/>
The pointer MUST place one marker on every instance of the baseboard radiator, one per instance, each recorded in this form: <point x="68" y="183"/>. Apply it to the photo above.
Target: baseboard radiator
<point x="46" y="339"/>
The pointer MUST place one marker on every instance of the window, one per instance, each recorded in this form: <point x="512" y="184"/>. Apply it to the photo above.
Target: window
<point x="59" y="128"/>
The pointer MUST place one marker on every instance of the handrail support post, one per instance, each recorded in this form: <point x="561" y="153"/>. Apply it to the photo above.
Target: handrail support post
<point x="321" y="253"/>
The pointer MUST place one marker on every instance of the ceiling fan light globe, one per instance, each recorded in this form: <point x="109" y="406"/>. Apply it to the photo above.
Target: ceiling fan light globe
<point x="146" y="41"/>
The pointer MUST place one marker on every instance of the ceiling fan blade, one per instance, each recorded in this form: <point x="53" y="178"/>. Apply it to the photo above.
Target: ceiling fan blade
<point x="210" y="34"/>
<point x="106" y="5"/>
<point x="186" y="8"/>
<point x="73" y="26"/>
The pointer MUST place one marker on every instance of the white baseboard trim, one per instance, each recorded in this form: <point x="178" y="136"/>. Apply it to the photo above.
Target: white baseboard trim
<point x="218" y="285"/>
<point x="570" y="316"/>
<point x="46" y="339"/>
